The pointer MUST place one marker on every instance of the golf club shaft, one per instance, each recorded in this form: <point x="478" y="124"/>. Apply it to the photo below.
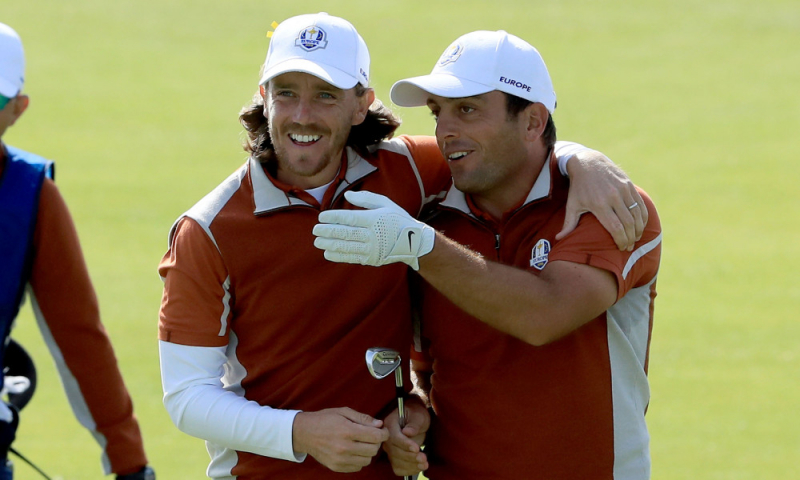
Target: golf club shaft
<point x="39" y="470"/>
<point x="401" y="411"/>
<point x="398" y="384"/>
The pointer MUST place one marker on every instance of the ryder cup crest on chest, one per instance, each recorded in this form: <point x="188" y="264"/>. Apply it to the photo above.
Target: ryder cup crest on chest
<point x="540" y="254"/>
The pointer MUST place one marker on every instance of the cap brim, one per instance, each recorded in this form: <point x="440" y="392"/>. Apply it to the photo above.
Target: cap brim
<point x="332" y="75"/>
<point x="415" y="91"/>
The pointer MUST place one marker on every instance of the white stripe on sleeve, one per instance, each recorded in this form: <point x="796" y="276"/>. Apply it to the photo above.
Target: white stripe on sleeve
<point x="71" y="387"/>
<point x="639" y="253"/>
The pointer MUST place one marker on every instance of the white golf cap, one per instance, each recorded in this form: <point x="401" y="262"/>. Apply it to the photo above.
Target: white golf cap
<point x="12" y="62"/>
<point x="477" y="63"/>
<point x="322" y="45"/>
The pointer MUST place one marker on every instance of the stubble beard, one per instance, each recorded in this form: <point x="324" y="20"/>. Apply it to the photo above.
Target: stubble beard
<point x="492" y="173"/>
<point x="478" y="180"/>
<point x="305" y="165"/>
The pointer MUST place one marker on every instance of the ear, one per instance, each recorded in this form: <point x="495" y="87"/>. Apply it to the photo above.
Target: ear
<point x="536" y="116"/>
<point x="262" y="90"/>
<point x="19" y="105"/>
<point x="364" y="103"/>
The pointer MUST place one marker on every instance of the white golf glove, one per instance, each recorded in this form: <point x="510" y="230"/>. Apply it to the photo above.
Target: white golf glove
<point x="383" y="234"/>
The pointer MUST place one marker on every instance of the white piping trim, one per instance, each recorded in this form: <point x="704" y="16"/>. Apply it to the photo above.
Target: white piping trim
<point x="400" y="147"/>
<point x="71" y="386"/>
<point x="226" y="303"/>
<point x="639" y="253"/>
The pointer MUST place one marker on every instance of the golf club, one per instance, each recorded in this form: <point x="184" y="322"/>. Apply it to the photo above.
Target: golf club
<point x="381" y="362"/>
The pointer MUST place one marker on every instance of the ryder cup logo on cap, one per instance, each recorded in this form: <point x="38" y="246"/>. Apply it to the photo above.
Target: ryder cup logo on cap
<point x="478" y="63"/>
<point x="322" y="45"/>
<point x="12" y="62"/>
<point x="311" y="38"/>
<point x="450" y="55"/>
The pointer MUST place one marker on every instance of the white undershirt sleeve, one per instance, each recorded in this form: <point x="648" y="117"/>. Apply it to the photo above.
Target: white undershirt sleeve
<point x="199" y="405"/>
<point x="564" y="151"/>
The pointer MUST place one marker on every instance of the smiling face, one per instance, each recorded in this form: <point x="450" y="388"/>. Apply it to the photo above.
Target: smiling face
<point x="492" y="156"/>
<point x="309" y="122"/>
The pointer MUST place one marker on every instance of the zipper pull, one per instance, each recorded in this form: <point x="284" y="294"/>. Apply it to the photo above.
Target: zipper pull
<point x="497" y="241"/>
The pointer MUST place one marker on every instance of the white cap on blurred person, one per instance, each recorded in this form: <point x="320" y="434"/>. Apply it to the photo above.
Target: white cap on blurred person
<point x="480" y="62"/>
<point x="12" y="62"/>
<point x="322" y="45"/>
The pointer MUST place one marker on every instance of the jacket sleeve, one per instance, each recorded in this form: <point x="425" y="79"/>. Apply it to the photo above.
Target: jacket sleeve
<point x="194" y="337"/>
<point x="66" y="310"/>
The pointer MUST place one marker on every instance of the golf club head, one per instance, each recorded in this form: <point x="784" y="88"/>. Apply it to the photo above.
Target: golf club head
<point x="381" y="362"/>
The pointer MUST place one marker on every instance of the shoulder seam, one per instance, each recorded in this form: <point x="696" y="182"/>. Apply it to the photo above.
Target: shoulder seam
<point x="399" y="146"/>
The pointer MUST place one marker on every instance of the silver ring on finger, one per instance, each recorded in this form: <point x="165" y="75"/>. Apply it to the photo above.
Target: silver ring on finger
<point x="634" y="205"/>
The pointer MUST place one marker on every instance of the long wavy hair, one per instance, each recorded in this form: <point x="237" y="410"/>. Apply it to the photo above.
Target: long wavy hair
<point x="379" y="124"/>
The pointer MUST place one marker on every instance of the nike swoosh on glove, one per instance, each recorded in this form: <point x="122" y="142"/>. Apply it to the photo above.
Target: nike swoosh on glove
<point x="382" y="234"/>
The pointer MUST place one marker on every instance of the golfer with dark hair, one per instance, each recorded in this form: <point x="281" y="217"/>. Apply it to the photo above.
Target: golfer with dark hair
<point x="534" y="347"/>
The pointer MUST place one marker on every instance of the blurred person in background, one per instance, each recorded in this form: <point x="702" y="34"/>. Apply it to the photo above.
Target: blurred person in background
<point x="40" y="255"/>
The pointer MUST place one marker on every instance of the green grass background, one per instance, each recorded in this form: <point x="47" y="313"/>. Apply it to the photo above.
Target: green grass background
<point x="697" y="100"/>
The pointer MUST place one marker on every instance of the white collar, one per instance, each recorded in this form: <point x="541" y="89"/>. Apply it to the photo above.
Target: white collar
<point x="457" y="199"/>
<point x="268" y="197"/>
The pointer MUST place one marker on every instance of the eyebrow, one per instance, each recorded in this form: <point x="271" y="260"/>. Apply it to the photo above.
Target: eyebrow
<point x="332" y="88"/>
<point x="282" y="85"/>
